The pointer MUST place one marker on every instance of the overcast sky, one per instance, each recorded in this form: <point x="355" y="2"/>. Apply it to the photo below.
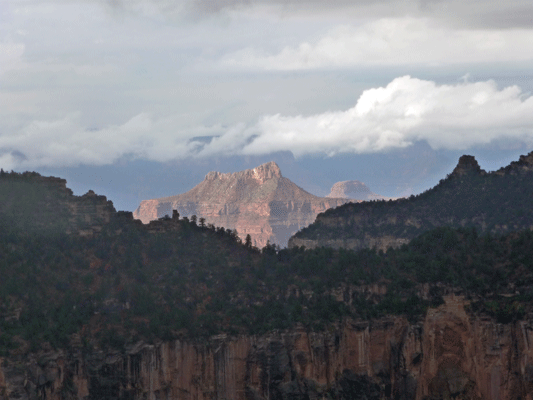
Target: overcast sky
<point x="90" y="87"/>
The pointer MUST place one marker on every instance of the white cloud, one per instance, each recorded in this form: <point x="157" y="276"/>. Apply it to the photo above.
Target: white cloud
<point x="65" y="142"/>
<point x="407" y="110"/>
<point x="394" y="41"/>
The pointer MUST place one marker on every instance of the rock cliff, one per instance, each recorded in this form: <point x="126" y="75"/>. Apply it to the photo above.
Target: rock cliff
<point x="45" y="204"/>
<point x="495" y="202"/>
<point x="450" y="354"/>
<point x="259" y="202"/>
<point x="465" y="165"/>
<point x="354" y="190"/>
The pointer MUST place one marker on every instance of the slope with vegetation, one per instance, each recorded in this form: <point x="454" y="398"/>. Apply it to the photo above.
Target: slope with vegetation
<point x="177" y="280"/>
<point x="197" y="280"/>
<point x="497" y="203"/>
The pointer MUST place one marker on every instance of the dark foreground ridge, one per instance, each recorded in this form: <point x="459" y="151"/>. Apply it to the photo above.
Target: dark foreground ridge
<point x="498" y="202"/>
<point x="95" y="307"/>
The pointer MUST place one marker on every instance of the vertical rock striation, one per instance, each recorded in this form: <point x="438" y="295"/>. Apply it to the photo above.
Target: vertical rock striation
<point x="450" y="354"/>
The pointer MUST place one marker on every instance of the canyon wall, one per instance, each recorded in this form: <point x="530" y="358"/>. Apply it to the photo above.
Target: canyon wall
<point x="450" y="354"/>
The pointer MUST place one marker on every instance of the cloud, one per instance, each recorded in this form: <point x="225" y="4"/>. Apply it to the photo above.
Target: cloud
<point x="66" y="142"/>
<point x="393" y="41"/>
<point x="405" y="111"/>
<point x="10" y="56"/>
<point x="485" y="14"/>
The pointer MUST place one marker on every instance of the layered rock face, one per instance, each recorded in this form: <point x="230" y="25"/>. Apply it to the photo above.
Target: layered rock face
<point x="450" y="354"/>
<point x="259" y="202"/>
<point x="354" y="190"/>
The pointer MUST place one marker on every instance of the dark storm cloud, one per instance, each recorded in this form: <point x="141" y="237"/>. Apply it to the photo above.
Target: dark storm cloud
<point x="476" y="14"/>
<point x="481" y="14"/>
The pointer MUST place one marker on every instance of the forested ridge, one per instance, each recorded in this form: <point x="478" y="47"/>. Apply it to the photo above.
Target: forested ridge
<point x="126" y="283"/>
<point x="497" y="202"/>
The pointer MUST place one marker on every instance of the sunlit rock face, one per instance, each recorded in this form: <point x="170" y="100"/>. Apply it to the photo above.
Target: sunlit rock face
<point x="259" y="202"/>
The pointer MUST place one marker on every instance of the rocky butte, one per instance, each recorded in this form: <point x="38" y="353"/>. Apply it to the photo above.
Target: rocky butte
<point x="354" y="190"/>
<point x="259" y="202"/>
<point x="54" y="206"/>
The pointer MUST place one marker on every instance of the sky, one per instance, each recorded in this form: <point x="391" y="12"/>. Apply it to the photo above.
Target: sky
<point x="139" y="99"/>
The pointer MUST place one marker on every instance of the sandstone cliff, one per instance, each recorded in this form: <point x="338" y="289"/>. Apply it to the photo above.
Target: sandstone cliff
<point x="497" y="202"/>
<point x="259" y="202"/>
<point x="354" y="190"/>
<point x="450" y="354"/>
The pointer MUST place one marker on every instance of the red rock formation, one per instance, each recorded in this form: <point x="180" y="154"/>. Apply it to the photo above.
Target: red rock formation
<point x="258" y="201"/>
<point x="451" y="354"/>
<point x="354" y="190"/>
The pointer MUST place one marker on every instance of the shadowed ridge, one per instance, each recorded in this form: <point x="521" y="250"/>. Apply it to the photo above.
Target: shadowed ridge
<point x="262" y="173"/>
<point x="467" y="164"/>
<point x="524" y="164"/>
<point x="497" y="203"/>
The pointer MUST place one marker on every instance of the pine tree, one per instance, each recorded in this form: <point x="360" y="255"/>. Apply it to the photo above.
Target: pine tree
<point x="248" y="241"/>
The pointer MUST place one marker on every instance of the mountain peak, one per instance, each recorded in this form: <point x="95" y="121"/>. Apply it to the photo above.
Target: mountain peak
<point x="258" y="202"/>
<point x="467" y="164"/>
<point x="355" y="190"/>
<point x="262" y="173"/>
<point x="267" y="170"/>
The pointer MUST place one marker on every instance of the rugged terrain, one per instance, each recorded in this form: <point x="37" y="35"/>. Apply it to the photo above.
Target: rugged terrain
<point x="53" y="206"/>
<point x="355" y="190"/>
<point x="96" y="305"/>
<point x="450" y="354"/>
<point x="497" y="202"/>
<point x="259" y="202"/>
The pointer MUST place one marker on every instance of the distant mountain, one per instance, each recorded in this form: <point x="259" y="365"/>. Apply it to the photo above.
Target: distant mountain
<point x="355" y="190"/>
<point x="259" y="202"/>
<point x="496" y="202"/>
